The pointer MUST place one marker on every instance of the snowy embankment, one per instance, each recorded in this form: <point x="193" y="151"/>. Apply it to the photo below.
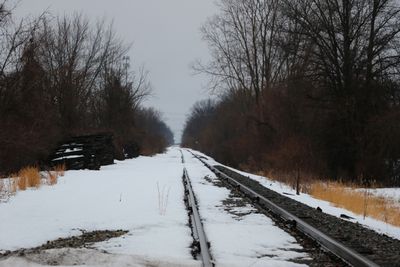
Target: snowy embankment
<point x="327" y="207"/>
<point x="143" y="196"/>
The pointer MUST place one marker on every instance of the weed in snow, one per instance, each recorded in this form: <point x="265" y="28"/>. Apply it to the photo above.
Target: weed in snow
<point x="163" y="195"/>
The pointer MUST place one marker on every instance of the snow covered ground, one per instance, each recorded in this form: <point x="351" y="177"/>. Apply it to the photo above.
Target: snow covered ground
<point x="145" y="197"/>
<point x="122" y="196"/>
<point x="327" y="207"/>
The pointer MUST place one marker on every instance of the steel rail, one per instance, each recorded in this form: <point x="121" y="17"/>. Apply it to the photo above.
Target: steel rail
<point x="340" y="250"/>
<point x="198" y="231"/>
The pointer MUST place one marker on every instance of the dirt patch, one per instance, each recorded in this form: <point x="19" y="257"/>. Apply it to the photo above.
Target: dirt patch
<point x="235" y="205"/>
<point x="86" y="240"/>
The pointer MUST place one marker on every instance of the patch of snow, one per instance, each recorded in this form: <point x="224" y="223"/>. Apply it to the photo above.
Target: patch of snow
<point x="68" y="150"/>
<point x="69" y="157"/>
<point x="392" y="194"/>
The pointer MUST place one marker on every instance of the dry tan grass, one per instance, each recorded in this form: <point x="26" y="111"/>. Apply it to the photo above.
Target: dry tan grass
<point x="29" y="177"/>
<point x="22" y="183"/>
<point x="358" y="201"/>
<point x="348" y="196"/>
<point x="60" y="169"/>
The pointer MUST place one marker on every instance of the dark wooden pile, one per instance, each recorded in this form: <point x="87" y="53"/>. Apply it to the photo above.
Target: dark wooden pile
<point x="84" y="152"/>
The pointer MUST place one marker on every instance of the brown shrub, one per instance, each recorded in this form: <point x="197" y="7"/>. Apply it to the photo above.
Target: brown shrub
<point x="21" y="183"/>
<point x="29" y="177"/>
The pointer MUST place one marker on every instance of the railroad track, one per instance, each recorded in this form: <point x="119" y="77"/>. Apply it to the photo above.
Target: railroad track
<point x="354" y="255"/>
<point x="201" y="246"/>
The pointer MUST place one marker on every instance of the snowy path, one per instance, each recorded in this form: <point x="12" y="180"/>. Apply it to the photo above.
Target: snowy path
<point x="145" y="197"/>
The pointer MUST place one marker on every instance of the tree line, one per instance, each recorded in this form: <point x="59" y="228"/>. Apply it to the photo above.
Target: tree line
<point x="307" y="87"/>
<point x="66" y="75"/>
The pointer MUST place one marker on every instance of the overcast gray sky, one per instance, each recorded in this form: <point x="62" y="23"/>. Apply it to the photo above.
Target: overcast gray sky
<point x="166" y="39"/>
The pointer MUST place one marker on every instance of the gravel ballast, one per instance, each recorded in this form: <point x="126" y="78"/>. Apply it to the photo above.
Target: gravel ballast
<point x="381" y="249"/>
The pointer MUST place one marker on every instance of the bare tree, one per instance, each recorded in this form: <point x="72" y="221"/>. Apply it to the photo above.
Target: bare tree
<point x="353" y="54"/>
<point x="74" y="53"/>
<point x="243" y="42"/>
<point x="352" y="41"/>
